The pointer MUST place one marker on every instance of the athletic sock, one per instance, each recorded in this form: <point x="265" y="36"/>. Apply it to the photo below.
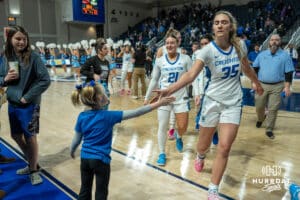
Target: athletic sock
<point x="201" y="157"/>
<point x="213" y="188"/>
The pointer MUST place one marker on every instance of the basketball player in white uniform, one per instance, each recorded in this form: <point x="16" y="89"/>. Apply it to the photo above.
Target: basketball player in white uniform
<point x="222" y="102"/>
<point x="168" y="69"/>
<point x="160" y="52"/>
<point x="127" y="68"/>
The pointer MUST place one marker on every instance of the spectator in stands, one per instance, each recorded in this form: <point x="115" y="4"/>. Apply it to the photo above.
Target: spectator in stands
<point x="248" y="30"/>
<point x="253" y="54"/>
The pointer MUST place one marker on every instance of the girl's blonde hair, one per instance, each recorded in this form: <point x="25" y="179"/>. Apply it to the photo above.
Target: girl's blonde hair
<point x="90" y="94"/>
<point x="233" y="39"/>
<point x="172" y="33"/>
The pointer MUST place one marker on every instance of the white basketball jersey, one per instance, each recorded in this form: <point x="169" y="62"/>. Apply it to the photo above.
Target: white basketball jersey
<point x="224" y="85"/>
<point x="126" y="61"/>
<point x="170" y="72"/>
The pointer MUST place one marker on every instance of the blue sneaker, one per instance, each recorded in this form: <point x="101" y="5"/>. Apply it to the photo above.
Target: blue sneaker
<point x="294" y="191"/>
<point x="197" y="126"/>
<point x="179" y="144"/>
<point x="215" y="138"/>
<point x="161" y="161"/>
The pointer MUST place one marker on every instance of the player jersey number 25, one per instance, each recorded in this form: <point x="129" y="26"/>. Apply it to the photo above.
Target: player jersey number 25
<point x="230" y="71"/>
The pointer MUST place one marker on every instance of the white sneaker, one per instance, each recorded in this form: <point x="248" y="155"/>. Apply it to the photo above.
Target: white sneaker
<point x="35" y="178"/>
<point x="23" y="171"/>
<point x="213" y="195"/>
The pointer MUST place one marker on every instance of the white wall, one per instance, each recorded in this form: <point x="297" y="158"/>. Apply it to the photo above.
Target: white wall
<point x="113" y="29"/>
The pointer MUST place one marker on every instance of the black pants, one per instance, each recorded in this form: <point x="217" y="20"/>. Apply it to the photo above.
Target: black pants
<point x="89" y="168"/>
<point x="148" y="67"/>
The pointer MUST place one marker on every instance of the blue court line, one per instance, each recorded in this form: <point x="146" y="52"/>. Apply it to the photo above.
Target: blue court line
<point x="62" y="186"/>
<point x="172" y="174"/>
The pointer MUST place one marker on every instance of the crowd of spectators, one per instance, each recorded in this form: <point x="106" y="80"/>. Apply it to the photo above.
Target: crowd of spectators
<point x="195" y="20"/>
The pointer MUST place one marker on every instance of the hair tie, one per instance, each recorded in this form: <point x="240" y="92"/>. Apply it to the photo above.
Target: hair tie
<point x="92" y="83"/>
<point x="78" y="87"/>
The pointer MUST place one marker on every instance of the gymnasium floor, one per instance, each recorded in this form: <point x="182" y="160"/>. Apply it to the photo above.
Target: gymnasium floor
<point x="254" y="160"/>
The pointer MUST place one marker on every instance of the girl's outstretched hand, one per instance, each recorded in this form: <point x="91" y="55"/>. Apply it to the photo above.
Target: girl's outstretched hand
<point x="163" y="101"/>
<point x="162" y="92"/>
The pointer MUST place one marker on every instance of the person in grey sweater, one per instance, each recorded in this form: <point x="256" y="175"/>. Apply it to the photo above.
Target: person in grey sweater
<point x="26" y="78"/>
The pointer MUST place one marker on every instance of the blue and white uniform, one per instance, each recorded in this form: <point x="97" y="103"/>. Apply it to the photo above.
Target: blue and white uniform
<point x="43" y="57"/>
<point x="166" y="73"/>
<point x="127" y="65"/>
<point x="75" y="62"/>
<point x="63" y="58"/>
<point x="223" y="93"/>
<point x="52" y="62"/>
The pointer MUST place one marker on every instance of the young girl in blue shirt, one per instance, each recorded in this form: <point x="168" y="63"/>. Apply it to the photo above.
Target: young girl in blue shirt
<point x="95" y="127"/>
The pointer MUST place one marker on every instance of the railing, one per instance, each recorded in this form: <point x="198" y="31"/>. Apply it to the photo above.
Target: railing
<point x="295" y="39"/>
<point x="151" y="42"/>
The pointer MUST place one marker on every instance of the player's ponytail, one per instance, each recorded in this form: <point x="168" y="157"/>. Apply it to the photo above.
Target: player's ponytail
<point x="90" y="94"/>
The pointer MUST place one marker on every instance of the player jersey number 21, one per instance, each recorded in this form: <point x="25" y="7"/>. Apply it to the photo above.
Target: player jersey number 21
<point x="173" y="77"/>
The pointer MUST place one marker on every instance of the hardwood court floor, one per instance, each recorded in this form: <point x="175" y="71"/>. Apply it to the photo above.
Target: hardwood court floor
<point x="252" y="158"/>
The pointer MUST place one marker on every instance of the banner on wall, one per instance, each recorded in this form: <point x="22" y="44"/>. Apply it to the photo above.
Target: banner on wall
<point x="89" y="11"/>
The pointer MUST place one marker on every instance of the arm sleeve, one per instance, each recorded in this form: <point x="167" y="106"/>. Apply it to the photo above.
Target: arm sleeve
<point x="75" y="142"/>
<point x="128" y="114"/>
<point x="154" y="80"/>
<point x="288" y="77"/>
<point x="198" y="84"/>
